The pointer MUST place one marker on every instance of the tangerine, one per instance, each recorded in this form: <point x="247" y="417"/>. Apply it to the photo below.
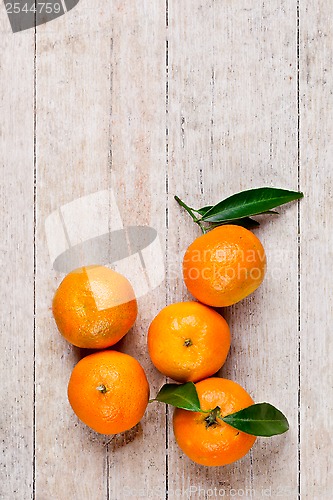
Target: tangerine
<point x="224" y="265"/>
<point x="188" y="341"/>
<point x="94" y="307"/>
<point x="204" y="437"/>
<point x="108" y="391"/>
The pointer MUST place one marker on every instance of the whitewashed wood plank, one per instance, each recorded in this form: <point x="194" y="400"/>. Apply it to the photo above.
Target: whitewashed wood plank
<point x="73" y="110"/>
<point x="17" y="261"/>
<point x="232" y="126"/>
<point x="101" y="95"/>
<point x="316" y="150"/>
<point x="138" y="162"/>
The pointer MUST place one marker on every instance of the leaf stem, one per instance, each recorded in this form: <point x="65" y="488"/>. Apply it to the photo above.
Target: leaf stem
<point x="190" y="212"/>
<point x="188" y="209"/>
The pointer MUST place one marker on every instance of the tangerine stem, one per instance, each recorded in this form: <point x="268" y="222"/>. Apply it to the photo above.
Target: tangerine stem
<point x="101" y="388"/>
<point x="212" y="417"/>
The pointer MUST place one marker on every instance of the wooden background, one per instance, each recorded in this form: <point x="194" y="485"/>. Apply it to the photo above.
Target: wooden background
<point x="195" y="98"/>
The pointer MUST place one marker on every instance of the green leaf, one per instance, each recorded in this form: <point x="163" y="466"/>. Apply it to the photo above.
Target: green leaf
<point x="248" y="203"/>
<point x="202" y="211"/>
<point x="260" y="419"/>
<point x="179" y="395"/>
<point x="246" y="222"/>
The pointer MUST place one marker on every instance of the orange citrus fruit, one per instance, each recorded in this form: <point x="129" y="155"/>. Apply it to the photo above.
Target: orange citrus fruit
<point x="188" y="341"/>
<point x="108" y="391"/>
<point x="224" y="265"/>
<point x="204" y="437"/>
<point x="94" y="307"/>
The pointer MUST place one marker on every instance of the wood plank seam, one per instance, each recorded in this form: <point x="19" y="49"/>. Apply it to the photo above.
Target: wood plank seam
<point x="298" y="251"/>
<point x="34" y="261"/>
<point x="167" y="415"/>
<point x="110" y="171"/>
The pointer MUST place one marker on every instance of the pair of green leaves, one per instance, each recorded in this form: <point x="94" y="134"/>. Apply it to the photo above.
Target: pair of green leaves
<point x="260" y="419"/>
<point x="241" y="207"/>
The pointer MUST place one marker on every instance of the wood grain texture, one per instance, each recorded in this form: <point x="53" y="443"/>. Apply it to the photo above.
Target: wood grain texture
<point x="99" y="108"/>
<point x="316" y="150"/>
<point x="142" y="100"/>
<point x="72" y="141"/>
<point x="137" y="136"/>
<point x="233" y="110"/>
<point x="17" y="262"/>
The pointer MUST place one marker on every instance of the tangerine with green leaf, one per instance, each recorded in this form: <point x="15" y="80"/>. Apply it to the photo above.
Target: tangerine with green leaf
<point x="203" y="436"/>
<point x="228" y="262"/>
